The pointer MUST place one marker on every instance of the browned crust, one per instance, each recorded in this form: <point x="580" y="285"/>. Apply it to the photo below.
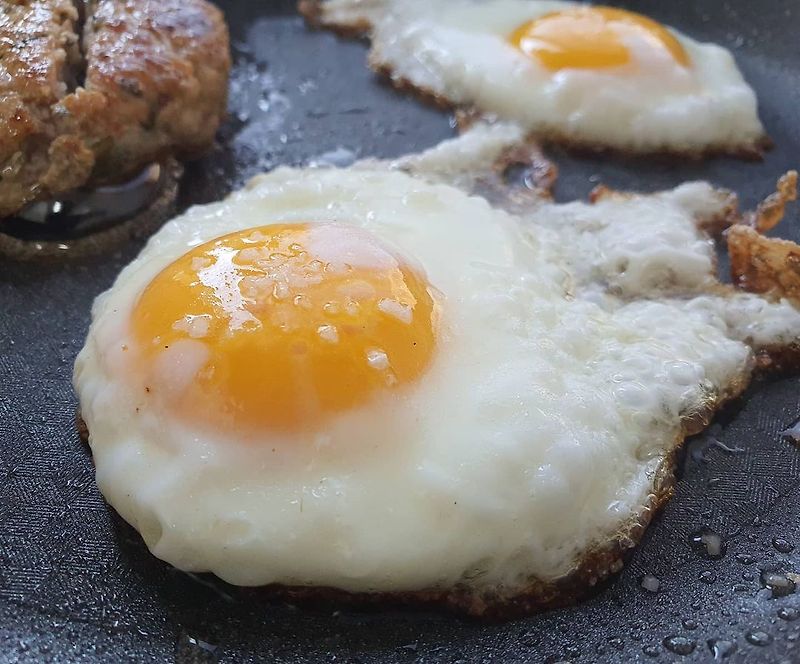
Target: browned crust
<point x="312" y="12"/>
<point x="771" y="210"/>
<point x="541" y="175"/>
<point x="761" y="264"/>
<point x="155" y="85"/>
<point x="465" y="115"/>
<point x="600" y="561"/>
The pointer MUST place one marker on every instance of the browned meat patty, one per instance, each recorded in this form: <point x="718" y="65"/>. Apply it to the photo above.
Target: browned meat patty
<point x="86" y="104"/>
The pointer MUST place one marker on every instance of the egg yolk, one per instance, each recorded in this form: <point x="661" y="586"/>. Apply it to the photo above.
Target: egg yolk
<point x="288" y="324"/>
<point x="591" y="38"/>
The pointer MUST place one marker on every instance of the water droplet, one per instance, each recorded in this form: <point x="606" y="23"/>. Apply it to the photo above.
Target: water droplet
<point x="748" y="576"/>
<point x="721" y="648"/>
<point x="708" y="577"/>
<point x="651" y="651"/>
<point x="758" y="638"/>
<point x="680" y="645"/>
<point x="650" y="583"/>
<point x="689" y="624"/>
<point x="745" y="558"/>
<point x="782" y="545"/>
<point x="616" y="642"/>
<point x="708" y="543"/>
<point x="788" y="613"/>
<point x="196" y="649"/>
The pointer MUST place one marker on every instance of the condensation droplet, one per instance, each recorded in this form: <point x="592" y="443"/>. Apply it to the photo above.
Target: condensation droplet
<point x="680" y="645"/>
<point x="782" y="545"/>
<point x="721" y="648"/>
<point x="758" y="638"/>
<point x="707" y="577"/>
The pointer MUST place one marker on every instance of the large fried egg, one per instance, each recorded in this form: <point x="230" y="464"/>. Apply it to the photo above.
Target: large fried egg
<point x="370" y="380"/>
<point x="576" y="73"/>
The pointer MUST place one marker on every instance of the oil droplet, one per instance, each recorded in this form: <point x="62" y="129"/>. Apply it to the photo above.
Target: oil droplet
<point x="650" y="583"/>
<point x="708" y="543"/>
<point x="758" y="638"/>
<point x="782" y="545"/>
<point x="708" y="577"/>
<point x="651" y="651"/>
<point x="721" y="648"/>
<point x="196" y="650"/>
<point x="780" y="584"/>
<point x="788" y="613"/>
<point x="680" y="645"/>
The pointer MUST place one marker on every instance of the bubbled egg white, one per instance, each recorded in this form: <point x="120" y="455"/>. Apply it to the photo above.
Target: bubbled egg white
<point x="582" y="74"/>
<point x="531" y="433"/>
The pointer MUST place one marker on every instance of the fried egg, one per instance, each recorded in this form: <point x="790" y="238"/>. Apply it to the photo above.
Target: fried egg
<point x="587" y="75"/>
<point x="370" y="380"/>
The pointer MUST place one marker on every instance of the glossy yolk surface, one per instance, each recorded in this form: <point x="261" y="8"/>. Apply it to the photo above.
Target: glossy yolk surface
<point x="591" y="38"/>
<point x="296" y="322"/>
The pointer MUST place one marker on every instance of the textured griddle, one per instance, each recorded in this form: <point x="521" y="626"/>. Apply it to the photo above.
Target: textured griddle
<point x="77" y="584"/>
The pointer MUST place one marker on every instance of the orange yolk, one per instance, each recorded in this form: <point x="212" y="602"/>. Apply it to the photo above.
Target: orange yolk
<point x="591" y="38"/>
<point x="295" y="322"/>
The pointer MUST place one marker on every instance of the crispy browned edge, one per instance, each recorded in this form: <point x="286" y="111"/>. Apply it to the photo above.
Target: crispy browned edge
<point x="312" y="11"/>
<point x="766" y="265"/>
<point x="600" y="561"/>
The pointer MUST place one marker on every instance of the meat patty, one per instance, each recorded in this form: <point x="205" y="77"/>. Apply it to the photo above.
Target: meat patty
<point x="91" y="93"/>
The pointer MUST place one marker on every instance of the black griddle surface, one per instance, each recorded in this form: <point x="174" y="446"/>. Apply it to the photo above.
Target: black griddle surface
<point x="77" y="583"/>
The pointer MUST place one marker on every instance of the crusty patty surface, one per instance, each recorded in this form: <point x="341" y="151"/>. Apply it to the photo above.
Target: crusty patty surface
<point x="91" y="92"/>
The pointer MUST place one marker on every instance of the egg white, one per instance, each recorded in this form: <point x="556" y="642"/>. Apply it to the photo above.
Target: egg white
<point x="457" y="50"/>
<point x="534" y="435"/>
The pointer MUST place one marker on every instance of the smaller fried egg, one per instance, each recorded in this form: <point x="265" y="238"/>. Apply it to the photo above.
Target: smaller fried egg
<point x="591" y="75"/>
